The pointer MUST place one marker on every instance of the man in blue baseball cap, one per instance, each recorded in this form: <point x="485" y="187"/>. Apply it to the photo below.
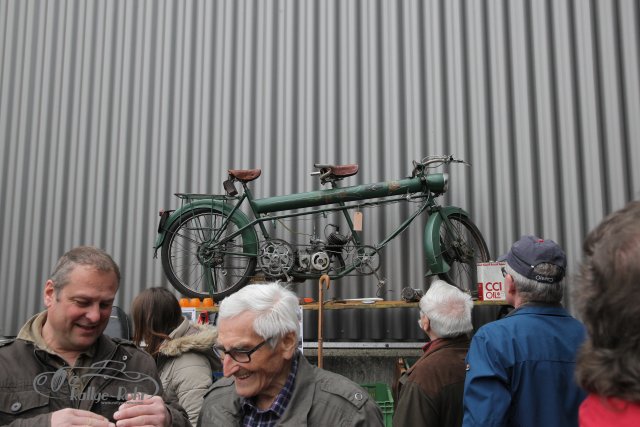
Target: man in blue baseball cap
<point x="520" y="369"/>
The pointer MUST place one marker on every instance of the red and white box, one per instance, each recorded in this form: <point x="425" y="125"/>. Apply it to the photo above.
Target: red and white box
<point x="491" y="286"/>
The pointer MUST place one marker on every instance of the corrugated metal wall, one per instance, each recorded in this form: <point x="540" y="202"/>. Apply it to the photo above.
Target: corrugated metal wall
<point x="109" y="107"/>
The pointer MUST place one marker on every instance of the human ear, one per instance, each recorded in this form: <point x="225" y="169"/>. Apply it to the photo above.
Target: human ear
<point x="49" y="293"/>
<point x="289" y="344"/>
<point x="425" y="323"/>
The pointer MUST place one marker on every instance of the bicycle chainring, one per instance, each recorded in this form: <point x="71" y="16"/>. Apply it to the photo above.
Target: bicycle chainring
<point x="276" y="257"/>
<point x="367" y="260"/>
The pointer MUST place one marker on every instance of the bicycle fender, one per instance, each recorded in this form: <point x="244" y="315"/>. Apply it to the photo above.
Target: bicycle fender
<point x="432" y="250"/>
<point x="239" y="219"/>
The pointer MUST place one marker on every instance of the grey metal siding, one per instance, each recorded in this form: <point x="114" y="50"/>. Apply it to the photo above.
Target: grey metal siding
<point x="109" y="107"/>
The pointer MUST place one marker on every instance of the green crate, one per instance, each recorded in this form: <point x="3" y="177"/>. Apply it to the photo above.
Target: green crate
<point x="381" y="393"/>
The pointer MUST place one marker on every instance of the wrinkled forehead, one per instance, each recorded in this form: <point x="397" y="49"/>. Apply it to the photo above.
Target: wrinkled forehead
<point x="91" y="282"/>
<point x="237" y="329"/>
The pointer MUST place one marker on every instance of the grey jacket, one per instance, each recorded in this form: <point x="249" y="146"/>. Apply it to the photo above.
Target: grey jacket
<point x="34" y="383"/>
<point x="320" y="398"/>
<point x="186" y="364"/>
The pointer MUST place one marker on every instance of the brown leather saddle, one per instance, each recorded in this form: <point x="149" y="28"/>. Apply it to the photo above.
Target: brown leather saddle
<point x="332" y="173"/>
<point x="245" y="175"/>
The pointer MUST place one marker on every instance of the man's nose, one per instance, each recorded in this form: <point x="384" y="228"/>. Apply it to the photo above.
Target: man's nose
<point x="229" y="366"/>
<point x="93" y="313"/>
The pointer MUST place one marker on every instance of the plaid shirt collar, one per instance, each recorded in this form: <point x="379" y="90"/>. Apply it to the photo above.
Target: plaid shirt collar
<point x="254" y="417"/>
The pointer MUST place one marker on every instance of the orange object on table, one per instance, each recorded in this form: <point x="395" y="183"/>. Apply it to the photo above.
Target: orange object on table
<point x="208" y="302"/>
<point x="195" y="302"/>
<point x="184" y="302"/>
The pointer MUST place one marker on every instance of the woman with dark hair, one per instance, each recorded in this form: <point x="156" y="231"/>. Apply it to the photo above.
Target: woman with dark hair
<point x="608" y="296"/>
<point x="183" y="350"/>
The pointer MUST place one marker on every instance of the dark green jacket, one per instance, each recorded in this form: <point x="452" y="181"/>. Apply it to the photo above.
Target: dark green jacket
<point x="33" y="384"/>
<point x="320" y="398"/>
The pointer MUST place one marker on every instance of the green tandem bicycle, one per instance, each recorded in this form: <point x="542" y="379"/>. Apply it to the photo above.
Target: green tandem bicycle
<point x="213" y="244"/>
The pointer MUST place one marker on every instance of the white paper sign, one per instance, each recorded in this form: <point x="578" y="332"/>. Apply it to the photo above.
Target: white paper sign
<point x="190" y="313"/>
<point x="491" y="286"/>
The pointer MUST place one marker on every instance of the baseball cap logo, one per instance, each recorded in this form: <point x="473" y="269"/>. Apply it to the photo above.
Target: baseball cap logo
<point x="530" y="251"/>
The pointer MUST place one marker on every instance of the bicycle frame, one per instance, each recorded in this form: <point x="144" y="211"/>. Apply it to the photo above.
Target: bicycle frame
<point x="424" y="186"/>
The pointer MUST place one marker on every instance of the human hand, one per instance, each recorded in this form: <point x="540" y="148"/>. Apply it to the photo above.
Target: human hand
<point x="78" y="417"/>
<point x="145" y="411"/>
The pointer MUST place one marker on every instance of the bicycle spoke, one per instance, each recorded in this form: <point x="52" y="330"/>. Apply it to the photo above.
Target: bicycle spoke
<point x="209" y="276"/>
<point x="198" y="265"/>
<point x="462" y="248"/>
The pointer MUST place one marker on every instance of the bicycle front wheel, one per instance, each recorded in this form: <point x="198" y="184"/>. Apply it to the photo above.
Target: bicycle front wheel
<point x="199" y="267"/>
<point x="462" y="247"/>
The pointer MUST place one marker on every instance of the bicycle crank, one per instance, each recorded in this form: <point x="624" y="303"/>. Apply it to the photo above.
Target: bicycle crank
<point x="276" y="257"/>
<point x="367" y="260"/>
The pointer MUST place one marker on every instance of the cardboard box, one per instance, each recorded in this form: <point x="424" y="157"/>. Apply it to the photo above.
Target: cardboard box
<point x="491" y="286"/>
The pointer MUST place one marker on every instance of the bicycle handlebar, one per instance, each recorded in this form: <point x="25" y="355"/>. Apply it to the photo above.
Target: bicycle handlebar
<point x="419" y="167"/>
<point x="422" y="164"/>
<point x="440" y="159"/>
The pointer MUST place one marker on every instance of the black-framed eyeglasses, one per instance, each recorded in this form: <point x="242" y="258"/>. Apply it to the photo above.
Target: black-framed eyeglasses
<point x="240" y="356"/>
<point x="504" y="272"/>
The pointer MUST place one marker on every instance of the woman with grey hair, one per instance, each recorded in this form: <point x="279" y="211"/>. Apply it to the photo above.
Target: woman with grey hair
<point x="430" y="392"/>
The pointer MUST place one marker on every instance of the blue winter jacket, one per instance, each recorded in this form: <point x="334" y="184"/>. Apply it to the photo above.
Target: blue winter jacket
<point x="520" y="370"/>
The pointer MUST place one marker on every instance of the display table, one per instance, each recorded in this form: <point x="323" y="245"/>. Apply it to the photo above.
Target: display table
<point x="344" y="304"/>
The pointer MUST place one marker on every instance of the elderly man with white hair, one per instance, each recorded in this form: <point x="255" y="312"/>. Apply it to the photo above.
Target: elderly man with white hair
<point x="268" y="382"/>
<point x="430" y="392"/>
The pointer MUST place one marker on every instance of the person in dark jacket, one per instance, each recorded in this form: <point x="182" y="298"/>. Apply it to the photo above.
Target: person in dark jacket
<point x="430" y="391"/>
<point x="268" y="381"/>
<point x="62" y="371"/>
<point x="521" y="368"/>
<point x="183" y="350"/>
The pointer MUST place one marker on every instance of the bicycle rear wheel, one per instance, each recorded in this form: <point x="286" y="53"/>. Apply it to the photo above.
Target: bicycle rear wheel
<point x="462" y="247"/>
<point x="198" y="267"/>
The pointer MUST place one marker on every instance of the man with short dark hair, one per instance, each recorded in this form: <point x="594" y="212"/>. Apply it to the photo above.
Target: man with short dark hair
<point x="520" y="369"/>
<point x="268" y="381"/>
<point x="62" y="371"/>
